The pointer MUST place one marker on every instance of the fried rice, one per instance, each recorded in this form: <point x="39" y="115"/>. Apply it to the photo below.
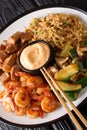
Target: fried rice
<point x="59" y="29"/>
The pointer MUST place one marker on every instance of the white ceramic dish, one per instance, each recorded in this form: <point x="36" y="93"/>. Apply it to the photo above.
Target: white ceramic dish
<point x="19" y="25"/>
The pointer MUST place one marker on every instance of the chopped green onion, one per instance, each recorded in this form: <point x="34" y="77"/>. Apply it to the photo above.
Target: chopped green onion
<point x="73" y="53"/>
<point x="37" y="32"/>
<point x="80" y="65"/>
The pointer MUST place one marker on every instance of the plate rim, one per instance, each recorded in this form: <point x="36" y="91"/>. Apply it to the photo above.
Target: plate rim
<point x="44" y="124"/>
<point x="6" y="26"/>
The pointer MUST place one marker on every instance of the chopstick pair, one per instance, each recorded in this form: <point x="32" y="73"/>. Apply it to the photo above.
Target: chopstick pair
<point x="53" y="86"/>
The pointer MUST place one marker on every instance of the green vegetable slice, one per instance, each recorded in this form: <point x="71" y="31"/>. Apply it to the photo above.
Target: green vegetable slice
<point x="72" y="95"/>
<point x="68" y="87"/>
<point x="66" y="72"/>
<point x="82" y="81"/>
<point x="73" y="53"/>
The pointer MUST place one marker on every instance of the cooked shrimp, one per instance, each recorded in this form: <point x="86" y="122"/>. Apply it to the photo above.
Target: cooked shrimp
<point x="22" y="98"/>
<point x="34" y="110"/>
<point x="48" y="92"/>
<point x="37" y="94"/>
<point x="2" y="94"/>
<point x="8" y="104"/>
<point x="40" y="92"/>
<point x="23" y="76"/>
<point x="31" y="81"/>
<point x="19" y="111"/>
<point x="11" y="85"/>
<point x="44" y="91"/>
<point x="48" y="104"/>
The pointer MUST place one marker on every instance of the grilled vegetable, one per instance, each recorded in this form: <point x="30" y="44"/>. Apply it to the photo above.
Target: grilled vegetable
<point x="81" y="65"/>
<point x="82" y="81"/>
<point x="73" y="53"/>
<point x="66" y="49"/>
<point x="72" y="95"/>
<point x="66" y="72"/>
<point x="68" y="80"/>
<point x="68" y="87"/>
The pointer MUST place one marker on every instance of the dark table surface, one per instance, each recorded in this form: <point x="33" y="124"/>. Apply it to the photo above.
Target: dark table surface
<point x="9" y="10"/>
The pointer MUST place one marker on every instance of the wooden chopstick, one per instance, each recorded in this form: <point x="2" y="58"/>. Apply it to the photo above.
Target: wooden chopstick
<point x="52" y="84"/>
<point x="67" y="99"/>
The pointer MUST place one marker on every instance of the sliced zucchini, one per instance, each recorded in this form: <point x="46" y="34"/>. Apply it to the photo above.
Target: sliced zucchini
<point x="68" y="80"/>
<point x="82" y="81"/>
<point x="72" y="95"/>
<point x="66" y="72"/>
<point x="68" y="87"/>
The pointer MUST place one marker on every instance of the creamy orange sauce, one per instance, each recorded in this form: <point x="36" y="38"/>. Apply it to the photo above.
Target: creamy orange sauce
<point x="35" y="56"/>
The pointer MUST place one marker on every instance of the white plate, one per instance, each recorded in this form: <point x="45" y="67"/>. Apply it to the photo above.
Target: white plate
<point x="19" y="25"/>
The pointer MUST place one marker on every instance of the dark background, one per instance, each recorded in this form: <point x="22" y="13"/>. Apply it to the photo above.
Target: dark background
<point x="9" y="10"/>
